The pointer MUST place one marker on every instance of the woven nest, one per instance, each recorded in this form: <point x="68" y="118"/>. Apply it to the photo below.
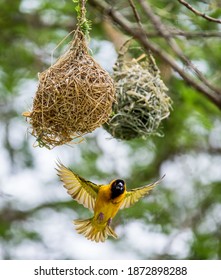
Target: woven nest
<point x="141" y="99"/>
<point x="74" y="97"/>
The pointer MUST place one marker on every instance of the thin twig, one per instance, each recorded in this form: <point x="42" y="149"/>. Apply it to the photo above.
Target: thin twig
<point x="82" y="13"/>
<point x="173" y="33"/>
<point x="198" y="13"/>
<point x="137" y="17"/>
<point x="189" y="35"/>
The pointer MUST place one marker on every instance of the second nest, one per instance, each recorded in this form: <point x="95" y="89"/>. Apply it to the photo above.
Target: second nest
<point x="142" y="102"/>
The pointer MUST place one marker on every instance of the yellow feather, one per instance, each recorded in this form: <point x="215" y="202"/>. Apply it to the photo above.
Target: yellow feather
<point x="134" y="195"/>
<point x="93" y="232"/>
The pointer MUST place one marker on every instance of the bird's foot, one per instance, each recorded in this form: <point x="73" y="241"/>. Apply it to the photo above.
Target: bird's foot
<point x="109" y="221"/>
<point x="100" y="217"/>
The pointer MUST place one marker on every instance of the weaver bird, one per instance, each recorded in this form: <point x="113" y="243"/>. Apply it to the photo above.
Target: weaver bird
<point x="103" y="200"/>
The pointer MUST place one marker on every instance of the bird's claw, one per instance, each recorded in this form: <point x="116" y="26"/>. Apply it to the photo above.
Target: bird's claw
<point x="100" y="217"/>
<point x="109" y="221"/>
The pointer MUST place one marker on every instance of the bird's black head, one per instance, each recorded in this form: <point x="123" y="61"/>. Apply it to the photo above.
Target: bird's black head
<point x="117" y="188"/>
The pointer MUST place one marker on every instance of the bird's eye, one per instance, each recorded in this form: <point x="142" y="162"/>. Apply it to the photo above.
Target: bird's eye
<point x="117" y="188"/>
<point x="118" y="184"/>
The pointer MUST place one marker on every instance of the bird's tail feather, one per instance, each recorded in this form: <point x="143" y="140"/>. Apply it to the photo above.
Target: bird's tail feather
<point x="93" y="232"/>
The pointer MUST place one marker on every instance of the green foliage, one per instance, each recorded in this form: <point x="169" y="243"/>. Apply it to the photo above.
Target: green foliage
<point x="83" y="22"/>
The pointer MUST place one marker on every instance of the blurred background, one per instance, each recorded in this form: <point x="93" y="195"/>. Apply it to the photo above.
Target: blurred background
<point x="181" y="219"/>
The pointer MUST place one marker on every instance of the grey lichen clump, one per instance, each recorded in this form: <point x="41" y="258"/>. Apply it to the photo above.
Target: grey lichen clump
<point x="141" y="99"/>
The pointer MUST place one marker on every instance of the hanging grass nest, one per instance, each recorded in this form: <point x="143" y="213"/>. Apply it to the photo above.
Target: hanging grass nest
<point x="141" y="99"/>
<point x="74" y="97"/>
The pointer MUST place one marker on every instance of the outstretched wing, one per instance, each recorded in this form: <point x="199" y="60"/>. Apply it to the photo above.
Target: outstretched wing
<point x="134" y="195"/>
<point x="84" y="192"/>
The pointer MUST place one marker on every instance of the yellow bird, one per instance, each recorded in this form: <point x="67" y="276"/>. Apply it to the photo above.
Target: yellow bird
<point x="103" y="200"/>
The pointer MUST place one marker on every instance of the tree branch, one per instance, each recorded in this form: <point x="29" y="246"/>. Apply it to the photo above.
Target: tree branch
<point x="188" y="35"/>
<point x="173" y="33"/>
<point x="128" y="28"/>
<point x="198" y="13"/>
<point x="137" y="17"/>
<point x="162" y="29"/>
